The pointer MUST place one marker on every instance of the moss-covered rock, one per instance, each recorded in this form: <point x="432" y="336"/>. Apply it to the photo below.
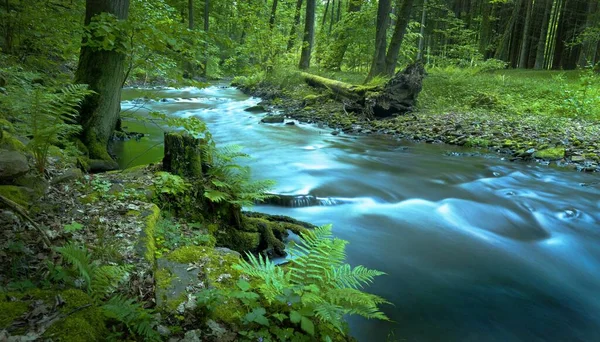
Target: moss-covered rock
<point x="11" y="143"/>
<point x="555" y="153"/>
<point x="146" y="245"/>
<point x="21" y="195"/>
<point x="10" y="310"/>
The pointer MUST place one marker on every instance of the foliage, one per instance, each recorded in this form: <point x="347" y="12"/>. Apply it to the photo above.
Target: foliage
<point x="307" y="299"/>
<point x="48" y="117"/>
<point x="101" y="281"/>
<point x="170" y="235"/>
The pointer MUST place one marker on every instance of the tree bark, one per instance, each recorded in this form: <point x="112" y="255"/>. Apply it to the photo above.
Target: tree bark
<point x="524" y="56"/>
<point x="504" y="45"/>
<point x="342" y="40"/>
<point x="103" y="71"/>
<point x="273" y="13"/>
<point x="422" y="32"/>
<point x="309" y="35"/>
<point x="183" y="155"/>
<point x="541" y="47"/>
<point x="292" y="38"/>
<point x="191" y="14"/>
<point x="383" y="20"/>
<point x="391" y="59"/>
<point x="325" y="15"/>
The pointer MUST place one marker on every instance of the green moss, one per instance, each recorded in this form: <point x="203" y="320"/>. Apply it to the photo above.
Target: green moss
<point x="9" y="311"/>
<point x="87" y="324"/>
<point x="163" y="278"/>
<point x="187" y="254"/>
<point x="17" y="194"/>
<point x="11" y="143"/>
<point x="554" y="153"/>
<point x="148" y="234"/>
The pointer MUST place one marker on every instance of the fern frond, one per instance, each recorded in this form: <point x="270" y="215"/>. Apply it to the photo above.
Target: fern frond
<point x="346" y="276"/>
<point x="106" y="279"/>
<point x="273" y="278"/>
<point x="138" y="320"/>
<point x="80" y="259"/>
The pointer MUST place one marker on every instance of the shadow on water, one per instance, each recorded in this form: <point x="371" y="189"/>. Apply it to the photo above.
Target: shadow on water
<point x="475" y="248"/>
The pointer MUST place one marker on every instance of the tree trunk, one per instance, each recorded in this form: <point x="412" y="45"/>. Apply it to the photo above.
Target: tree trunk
<point x="504" y="46"/>
<point x="309" y="35"/>
<point x="292" y="38"/>
<point x="391" y="59"/>
<point x="191" y="14"/>
<point x="342" y="40"/>
<point x="206" y="29"/>
<point x="103" y="71"/>
<point x="332" y="17"/>
<point x="273" y="13"/>
<point x="422" y="32"/>
<point x="541" y="48"/>
<point x="183" y="155"/>
<point x="325" y="15"/>
<point x="486" y="28"/>
<point x="524" y="56"/>
<point x="585" y="56"/>
<point x="383" y="20"/>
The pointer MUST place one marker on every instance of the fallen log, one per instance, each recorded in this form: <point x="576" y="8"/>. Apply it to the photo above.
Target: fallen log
<point x="398" y="96"/>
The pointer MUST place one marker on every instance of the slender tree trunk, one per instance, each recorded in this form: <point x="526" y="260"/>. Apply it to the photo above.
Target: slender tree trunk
<point x="325" y="15"/>
<point x="342" y="40"/>
<point x="504" y="46"/>
<point x="273" y="13"/>
<point x="485" y="30"/>
<point x="292" y="38"/>
<point x="391" y="59"/>
<point x="339" y="11"/>
<point x="206" y="29"/>
<point x="309" y="35"/>
<point x="332" y="16"/>
<point x="422" y="38"/>
<point x="191" y="14"/>
<point x="584" y="55"/>
<point x="524" y="56"/>
<point x="103" y="71"/>
<point x="383" y="20"/>
<point x="541" y="47"/>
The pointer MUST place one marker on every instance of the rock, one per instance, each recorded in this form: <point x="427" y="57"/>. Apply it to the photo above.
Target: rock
<point x="192" y="336"/>
<point x="68" y="176"/>
<point x="273" y="119"/>
<point x="290" y="123"/>
<point x="34" y="182"/>
<point x="219" y="332"/>
<point x="172" y="280"/>
<point x="225" y="251"/>
<point x="555" y="153"/>
<point x="18" y="194"/>
<point x="335" y="133"/>
<point x="255" y="109"/>
<point x="100" y="165"/>
<point x="577" y="159"/>
<point x="163" y="331"/>
<point x="12" y="165"/>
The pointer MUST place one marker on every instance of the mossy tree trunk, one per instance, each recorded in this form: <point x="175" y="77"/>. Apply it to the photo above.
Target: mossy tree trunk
<point x="103" y="71"/>
<point x="183" y="155"/>
<point x="309" y="35"/>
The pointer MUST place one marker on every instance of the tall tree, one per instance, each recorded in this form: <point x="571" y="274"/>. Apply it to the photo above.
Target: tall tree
<point x="191" y="14"/>
<point x="524" y="56"/>
<point x="309" y="34"/>
<point x="540" y="55"/>
<point x="273" y="13"/>
<point x="422" y="31"/>
<point x="103" y="71"/>
<point x="206" y="29"/>
<point x="404" y="8"/>
<point x="297" y="13"/>
<point x="342" y="40"/>
<point x="383" y="20"/>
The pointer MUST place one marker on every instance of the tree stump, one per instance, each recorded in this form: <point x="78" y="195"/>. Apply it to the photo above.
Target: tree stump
<point x="183" y="155"/>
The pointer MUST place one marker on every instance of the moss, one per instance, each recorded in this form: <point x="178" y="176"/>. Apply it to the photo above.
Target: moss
<point x="554" y="153"/>
<point x="134" y="169"/>
<point x="152" y="218"/>
<point x="20" y="195"/>
<point x="187" y="254"/>
<point x="163" y="278"/>
<point x="9" y="311"/>
<point x="87" y="324"/>
<point x="11" y="143"/>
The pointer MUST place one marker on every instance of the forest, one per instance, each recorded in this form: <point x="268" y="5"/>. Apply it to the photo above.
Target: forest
<point x="299" y="170"/>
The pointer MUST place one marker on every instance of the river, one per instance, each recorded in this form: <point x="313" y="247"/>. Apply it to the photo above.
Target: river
<point x="475" y="248"/>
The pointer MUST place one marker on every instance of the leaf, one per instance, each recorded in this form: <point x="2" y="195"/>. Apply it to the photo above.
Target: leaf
<point x="258" y="316"/>
<point x="307" y="325"/>
<point x="243" y="285"/>
<point x="295" y="316"/>
<point x="73" y="227"/>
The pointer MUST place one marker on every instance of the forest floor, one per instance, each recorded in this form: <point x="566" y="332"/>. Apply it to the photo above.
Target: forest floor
<point x="543" y="116"/>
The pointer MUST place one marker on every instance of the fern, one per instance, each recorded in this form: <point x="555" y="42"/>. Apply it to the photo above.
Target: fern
<point x="81" y="261"/>
<point x="138" y="320"/>
<point x="328" y="287"/>
<point x="106" y="279"/>
<point x="48" y="117"/>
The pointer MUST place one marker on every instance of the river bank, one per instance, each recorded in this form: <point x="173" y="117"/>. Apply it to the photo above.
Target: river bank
<point x="565" y="142"/>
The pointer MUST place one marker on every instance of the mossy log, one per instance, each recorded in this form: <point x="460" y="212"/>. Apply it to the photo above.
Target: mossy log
<point x="398" y="96"/>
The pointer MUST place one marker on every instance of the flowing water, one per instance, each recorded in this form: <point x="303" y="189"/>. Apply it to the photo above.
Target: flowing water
<point x="475" y="248"/>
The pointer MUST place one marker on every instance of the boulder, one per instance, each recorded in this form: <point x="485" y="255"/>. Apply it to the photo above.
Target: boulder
<point x="67" y="176"/>
<point x="12" y="165"/>
<point x="255" y="109"/>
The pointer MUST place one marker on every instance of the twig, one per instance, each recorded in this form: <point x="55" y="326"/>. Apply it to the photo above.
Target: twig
<point x="21" y="211"/>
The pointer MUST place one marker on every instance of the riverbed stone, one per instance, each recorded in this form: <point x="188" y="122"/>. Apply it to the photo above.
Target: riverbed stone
<point x="554" y="153"/>
<point x="273" y="119"/>
<point x="13" y="164"/>
<point x="255" y="109"/>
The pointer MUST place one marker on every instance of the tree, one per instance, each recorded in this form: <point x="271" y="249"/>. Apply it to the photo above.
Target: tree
<point x="422" y="37"/>
<point x="309" y="34"/>
<point x="103" y="70"/>
<point x="343" y="39"/>
<point x="383" y="20"/>
<point x="292" y="38"/>
<point x="524" y="58"/>
<point x="273" y="13"/>
<point x="540" y="56"/>
<point x="402" y="19"/>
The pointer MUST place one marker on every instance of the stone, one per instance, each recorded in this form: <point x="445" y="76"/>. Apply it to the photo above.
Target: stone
<point x="273" y="119"/>
<point x="219" y="332"/>
<point x="69" y="175"/>
<point x="163" y="331"/>
<point x="255" y="109"/>
<point x="225" y="251"/>
<point x="192" y="336"/>
<point x="12" y="165"/>
<point x="290" y="123"/>
<point x="577" y="159"/>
